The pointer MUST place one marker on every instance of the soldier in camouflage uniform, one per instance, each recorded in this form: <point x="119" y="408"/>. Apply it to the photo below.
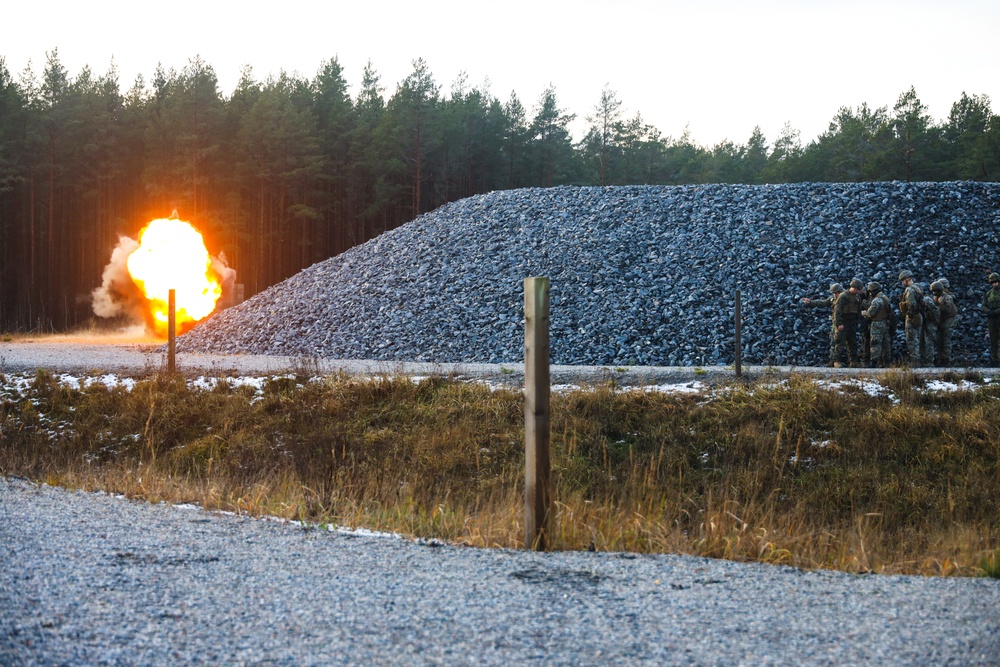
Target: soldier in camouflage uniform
<point x="910" y="307"/>
<point x="835" y="291"/>
<point x="929" y="330"/>
<point x="877" y="315"/>
<point x="946" y="305"/>
<point x="864" y="329"/>
<point x="991" y="308"/>
<point x="846" y="314"/>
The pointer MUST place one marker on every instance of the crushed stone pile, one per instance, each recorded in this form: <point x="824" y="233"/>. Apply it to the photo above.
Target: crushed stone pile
<point x="640" y="275"/>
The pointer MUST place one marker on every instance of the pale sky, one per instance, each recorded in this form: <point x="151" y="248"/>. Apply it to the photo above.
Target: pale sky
<point x="715" y="68"/>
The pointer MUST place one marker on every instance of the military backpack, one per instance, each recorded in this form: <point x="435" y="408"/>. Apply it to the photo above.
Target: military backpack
<point x="948" y="307"/>
<point x="930" y="309"/>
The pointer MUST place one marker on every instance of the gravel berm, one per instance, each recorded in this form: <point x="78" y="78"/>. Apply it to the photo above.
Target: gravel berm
<point x="640" y="275"/>
<point x="91" y="579"/>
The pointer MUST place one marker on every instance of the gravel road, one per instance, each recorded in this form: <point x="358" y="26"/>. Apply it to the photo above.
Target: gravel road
<point x="88" y="354"/>
<point x="91" y="579"/>
<point x="112" y="354"/>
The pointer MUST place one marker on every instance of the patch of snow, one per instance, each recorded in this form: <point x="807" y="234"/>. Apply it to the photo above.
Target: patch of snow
<point x="942" y="386"/>
<point x="695" y="387"/>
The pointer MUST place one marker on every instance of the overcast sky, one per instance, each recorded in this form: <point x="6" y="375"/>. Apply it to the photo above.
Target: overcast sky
<point x="715" y="68"/>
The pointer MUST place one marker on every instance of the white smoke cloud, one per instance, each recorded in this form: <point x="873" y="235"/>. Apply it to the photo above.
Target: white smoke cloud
<point x="227" y="275"/>
<point x="118" y="295"/>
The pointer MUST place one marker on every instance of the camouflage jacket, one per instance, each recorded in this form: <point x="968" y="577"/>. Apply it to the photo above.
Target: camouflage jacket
<point x="846" y="309"/>
<point x="946" y="304"/>
<point x="879" y="309"/>
<point x="991" y="303"/>
<point x="828" y="302"/>
<point x="931" y="311"/>
<point x="911" y="302"/>
<point x="866" y="303"/>
<point x="822" y="303"/>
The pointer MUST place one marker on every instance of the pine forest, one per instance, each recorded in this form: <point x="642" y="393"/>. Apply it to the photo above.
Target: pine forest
<point x="289" y="171"/>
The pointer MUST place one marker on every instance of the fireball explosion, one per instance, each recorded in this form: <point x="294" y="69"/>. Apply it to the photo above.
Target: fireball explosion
<point x="169" y="254"/>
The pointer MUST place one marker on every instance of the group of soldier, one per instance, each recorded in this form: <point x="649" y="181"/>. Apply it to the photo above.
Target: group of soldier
<point x="928" y="319"/>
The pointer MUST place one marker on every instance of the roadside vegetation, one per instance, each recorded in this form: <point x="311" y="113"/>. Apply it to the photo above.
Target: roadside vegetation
<point x="903" y="479"/>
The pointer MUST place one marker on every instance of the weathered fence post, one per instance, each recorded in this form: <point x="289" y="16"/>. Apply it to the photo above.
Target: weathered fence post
<point x="171" y="331"/>
<point x="739" y="335"/>
<point x="537" y="477"/>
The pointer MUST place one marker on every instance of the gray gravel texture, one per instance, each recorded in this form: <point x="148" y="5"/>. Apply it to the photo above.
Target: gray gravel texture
<point x="94" y="356"/>
<point x="640" y="275"/>
<point x="90" y="579"/>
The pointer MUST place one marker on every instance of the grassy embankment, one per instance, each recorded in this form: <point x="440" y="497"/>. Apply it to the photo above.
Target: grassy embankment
<point x="790" y="473"/>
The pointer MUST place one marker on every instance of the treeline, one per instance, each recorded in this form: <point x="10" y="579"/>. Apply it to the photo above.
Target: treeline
<point x="289" y="171"/>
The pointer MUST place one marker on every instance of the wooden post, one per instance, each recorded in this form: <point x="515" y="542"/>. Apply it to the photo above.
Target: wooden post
<point x="172" y="331"/>
<point x="537" y="475"/>
<point x="739" y="336"/>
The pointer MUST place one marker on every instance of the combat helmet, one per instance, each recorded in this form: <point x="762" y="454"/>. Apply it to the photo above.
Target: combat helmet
<point x="836" y="288"/>
<point x="857" y="284"/>
<point x="937" y="287"/>
<point x="873" y="287"/>
<point x="944" y="283"/>
<point x="904" y="274"/>
<point x="995" y="277"/>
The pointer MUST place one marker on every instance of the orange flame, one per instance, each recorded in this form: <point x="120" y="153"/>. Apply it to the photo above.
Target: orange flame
<point x="172" y="255"/>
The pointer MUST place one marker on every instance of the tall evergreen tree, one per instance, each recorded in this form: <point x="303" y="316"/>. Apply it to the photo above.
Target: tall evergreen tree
<point x="910" y="127"/>
<point x="13" y="112"/>
<point x="552" y="145"/>
<point x="726" y="163"/>
<point x="369" y="201"/>
<point x="685" y="161"/>
<point x="853" y="148"/>
<point x="335" y="122"/>
<point x="56" y="121"/>
<point x="100" y="164"/>
<point x="236" y="231"/>
<point x="406" y="136"/>
<point x="281" y="150"/>
<point x="754" y="158"/>
<point x="601" y="145"/>
<point x="14" y="266"/>
<point x="184" y="139"/>
<point x="515" y="141"/>
<point x="970" y="153"/>
<point x="783" y="161"/>
<point x="471" y="125"/>
<point x="642" y="152"/>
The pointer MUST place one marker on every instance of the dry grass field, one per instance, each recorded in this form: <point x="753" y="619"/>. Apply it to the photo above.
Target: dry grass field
<point x="893" y="477"/>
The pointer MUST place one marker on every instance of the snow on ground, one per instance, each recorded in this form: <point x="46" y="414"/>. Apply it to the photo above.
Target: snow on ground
<point x="942" y="386"/>
<point x="18" y="384"/>
<point x="870" y="387"/>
